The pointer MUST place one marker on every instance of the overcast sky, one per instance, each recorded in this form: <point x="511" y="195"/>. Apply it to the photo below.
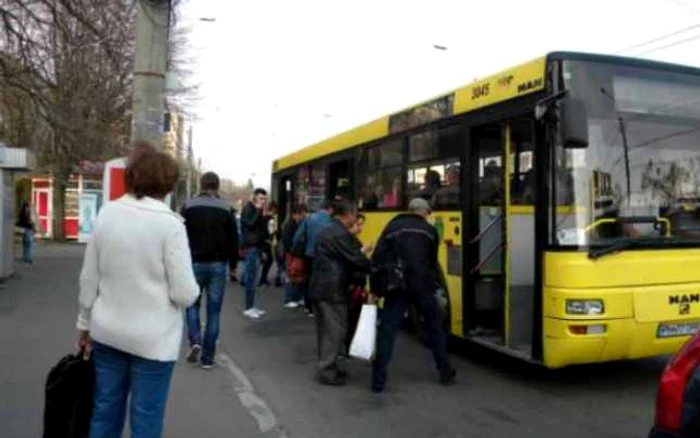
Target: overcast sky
<point x="277" y="75"/>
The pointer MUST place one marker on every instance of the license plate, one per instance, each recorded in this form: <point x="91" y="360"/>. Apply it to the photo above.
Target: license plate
<point x="671" y="330"/>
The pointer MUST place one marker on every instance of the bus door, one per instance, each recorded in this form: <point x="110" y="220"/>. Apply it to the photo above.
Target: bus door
<point x="501" y="251"/>
<point x="285" y="198"/>
<point x="485" y="237"/>
<point x="519" y="294"/>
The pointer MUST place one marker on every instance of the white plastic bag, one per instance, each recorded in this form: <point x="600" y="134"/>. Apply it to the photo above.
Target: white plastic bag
<point x="363" y="342"/>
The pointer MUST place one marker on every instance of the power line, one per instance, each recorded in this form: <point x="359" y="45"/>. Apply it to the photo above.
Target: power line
<point x="677" y="43"/>
<point x="660" y="38"/>
<point x="685" y="5"/>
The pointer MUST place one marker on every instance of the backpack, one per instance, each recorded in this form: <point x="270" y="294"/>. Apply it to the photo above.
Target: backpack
<point x="388" y="269"/>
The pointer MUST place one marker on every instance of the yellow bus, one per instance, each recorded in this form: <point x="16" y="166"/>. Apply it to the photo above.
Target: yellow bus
<point x="566" y="192"/>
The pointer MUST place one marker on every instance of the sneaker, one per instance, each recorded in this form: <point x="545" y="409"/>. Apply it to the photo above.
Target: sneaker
<point x="260" y="312"/>
<point x="207" y="365"/>
<point x="311" y="315"/>
<point x="252" y="314"/>
<point x="300" y="303"/>
<point x="193" y="355"/>
<point x="291" y="305"/>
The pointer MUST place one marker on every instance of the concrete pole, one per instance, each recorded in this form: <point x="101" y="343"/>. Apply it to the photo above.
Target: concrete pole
<point x="152" y="21"/>
<point x="190" y="163"/>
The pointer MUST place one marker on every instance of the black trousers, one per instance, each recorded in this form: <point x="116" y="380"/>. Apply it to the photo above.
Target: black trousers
<point x="390" y="321"/>
<point x="331" y="332"/>
<point x="307" y="285"/>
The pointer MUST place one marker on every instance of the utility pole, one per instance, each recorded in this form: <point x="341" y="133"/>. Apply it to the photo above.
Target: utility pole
<point x="150" y="63"/>
<point x="190" y="164"/>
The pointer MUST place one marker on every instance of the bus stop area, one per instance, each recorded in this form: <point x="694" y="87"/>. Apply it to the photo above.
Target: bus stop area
<point x="264" y="386"/>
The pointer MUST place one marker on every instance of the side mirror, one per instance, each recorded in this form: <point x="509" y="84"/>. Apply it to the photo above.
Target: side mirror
<point x="574" y="123"/>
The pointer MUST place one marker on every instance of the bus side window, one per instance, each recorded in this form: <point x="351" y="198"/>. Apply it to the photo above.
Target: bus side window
<point x="435" y="176"/>
<point x="379" y="176"/>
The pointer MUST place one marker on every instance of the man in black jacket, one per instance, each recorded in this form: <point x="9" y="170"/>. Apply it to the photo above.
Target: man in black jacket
<point x="254" y="235"/>
<point x="417" y="245"/>
<point x="213" y="236"/>
<point x="336" y="258"/>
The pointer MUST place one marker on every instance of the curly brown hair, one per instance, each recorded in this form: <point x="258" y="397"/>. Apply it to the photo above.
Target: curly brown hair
<point x="150" y="173"/>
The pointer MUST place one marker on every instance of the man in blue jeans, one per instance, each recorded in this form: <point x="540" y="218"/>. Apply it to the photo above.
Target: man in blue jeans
<point x="254" y="234"/>
<point x="213" y="235"/>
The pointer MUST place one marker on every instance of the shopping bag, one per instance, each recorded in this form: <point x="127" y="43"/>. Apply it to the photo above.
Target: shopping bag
<point x="68" y="398"/>
<point x="363" y="343"/>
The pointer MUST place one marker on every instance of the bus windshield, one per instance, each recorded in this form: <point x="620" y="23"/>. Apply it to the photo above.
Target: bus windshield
<point x="638" y="181"/>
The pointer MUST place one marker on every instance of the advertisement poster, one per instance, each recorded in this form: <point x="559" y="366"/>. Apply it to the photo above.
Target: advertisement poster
<point x="88" y="213"/>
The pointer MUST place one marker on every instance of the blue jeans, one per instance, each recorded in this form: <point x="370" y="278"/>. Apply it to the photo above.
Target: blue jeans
<point x="28" y="245"/>
<point x="251" y="257"/>
<point x="211" y="278"/>
<point x="118" y="375"/>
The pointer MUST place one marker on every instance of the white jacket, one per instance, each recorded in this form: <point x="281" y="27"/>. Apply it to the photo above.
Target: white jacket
<point x="137" y="279"/>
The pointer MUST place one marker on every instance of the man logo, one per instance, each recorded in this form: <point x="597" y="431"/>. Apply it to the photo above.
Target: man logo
<point x="684" y="299"/>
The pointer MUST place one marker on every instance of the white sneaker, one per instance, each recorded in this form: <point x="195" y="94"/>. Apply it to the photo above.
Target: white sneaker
<point x="291" y="305"/>
<point x="260" y="312"/>
<point x="252" y="314"/>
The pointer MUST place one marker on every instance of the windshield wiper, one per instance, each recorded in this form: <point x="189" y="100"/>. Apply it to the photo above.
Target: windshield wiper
<point x="620" y="245"/>
<point x="625" y="144"/>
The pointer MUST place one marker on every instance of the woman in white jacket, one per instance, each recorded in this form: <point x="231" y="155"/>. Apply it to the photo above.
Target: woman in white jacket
<point x="135" y="284"/>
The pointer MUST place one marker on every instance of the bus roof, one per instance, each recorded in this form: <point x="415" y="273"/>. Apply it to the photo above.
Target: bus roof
<point x="517" y="81"/>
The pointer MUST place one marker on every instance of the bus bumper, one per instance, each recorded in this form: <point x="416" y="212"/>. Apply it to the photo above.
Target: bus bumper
<point x="567" y="342"/>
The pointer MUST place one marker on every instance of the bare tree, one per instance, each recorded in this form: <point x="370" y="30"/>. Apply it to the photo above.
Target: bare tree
<point x="66" y="71"/>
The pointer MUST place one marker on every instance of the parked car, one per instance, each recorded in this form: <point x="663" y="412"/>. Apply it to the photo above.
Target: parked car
<point x="678" y="399"/>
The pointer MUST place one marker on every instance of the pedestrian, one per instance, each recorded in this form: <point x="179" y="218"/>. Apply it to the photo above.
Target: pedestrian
<point x="337" y="258"/>
<point x="266" y="257"/>
<point x="358" y="283"/>
<point x="26" y="222"/>
<point x="307" y="233"/>
<point x="213" y="235"/>
<point x="414" y="241"/>
<point x="135" y="284"/>
<point x="292" y="298"/>
<point x="253" y="233"/>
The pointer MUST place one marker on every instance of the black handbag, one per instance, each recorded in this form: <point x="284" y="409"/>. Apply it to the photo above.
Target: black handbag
<point x="68" y="398"/>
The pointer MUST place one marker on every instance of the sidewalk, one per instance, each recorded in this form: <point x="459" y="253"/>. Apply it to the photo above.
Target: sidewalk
<point x="37" y="320"/>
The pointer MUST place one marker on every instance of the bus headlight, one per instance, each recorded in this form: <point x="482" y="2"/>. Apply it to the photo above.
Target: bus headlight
<point x="585" y="307"/>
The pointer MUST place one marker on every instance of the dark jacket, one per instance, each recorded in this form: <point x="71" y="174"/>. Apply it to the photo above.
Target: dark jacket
<point x="289" y="229"/>
<point x="25" y="218"/>
<point x="418" y="247"/>
<point x="253" y="227"/>
<point x="337" y="258"/>
<point x="211" y="230"/>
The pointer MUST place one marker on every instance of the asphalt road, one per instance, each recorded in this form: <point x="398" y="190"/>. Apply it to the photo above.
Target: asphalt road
<point x="264" y="383"/>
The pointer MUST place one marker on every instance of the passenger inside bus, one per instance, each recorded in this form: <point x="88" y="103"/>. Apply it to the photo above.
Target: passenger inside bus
<point x="432" y="185"/>
<point x="523" y="193"/>
<point x="448" y="196"/>
<point x="492" y="184"/>
<point x="392" y="199"/>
